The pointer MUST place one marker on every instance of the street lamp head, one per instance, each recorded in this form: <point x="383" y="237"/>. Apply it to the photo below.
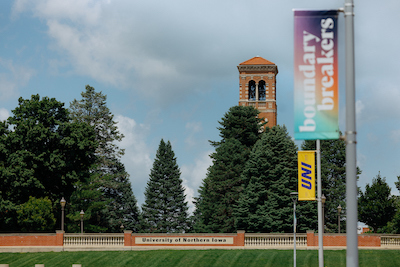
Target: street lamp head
<point x="293" y="195"/>
<point x="82" y="213"/>
<point x="323" y="199"/>
<point x="63" y="202"/>
<point x="339" y="208"/>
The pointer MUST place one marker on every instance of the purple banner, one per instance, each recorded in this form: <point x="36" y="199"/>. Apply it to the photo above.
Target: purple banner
<point x="316" y="101"/>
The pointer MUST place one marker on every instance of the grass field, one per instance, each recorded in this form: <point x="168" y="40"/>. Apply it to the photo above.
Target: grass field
<point x="207" y="258"/>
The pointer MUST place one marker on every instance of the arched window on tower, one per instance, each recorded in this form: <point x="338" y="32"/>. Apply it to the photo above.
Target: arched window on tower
<point x="252" y="90"/>
<point x="261" y="90"/>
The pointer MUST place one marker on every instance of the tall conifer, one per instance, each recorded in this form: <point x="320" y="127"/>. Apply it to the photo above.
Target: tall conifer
<point x="165" y="209"/>
<point x="106" y="196"/>
<point x="265" y="204"/>
<point x="221" y="188"/>
<point x="239" y="131"/>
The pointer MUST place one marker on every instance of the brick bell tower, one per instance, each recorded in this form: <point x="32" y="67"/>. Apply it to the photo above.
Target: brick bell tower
<point x="257" y="87"/>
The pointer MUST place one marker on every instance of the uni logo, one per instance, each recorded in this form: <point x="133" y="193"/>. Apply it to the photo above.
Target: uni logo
<point x="306" y="175"/>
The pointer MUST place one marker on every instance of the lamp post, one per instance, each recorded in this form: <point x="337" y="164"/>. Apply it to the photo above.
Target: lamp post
<point x="62" y="202"/>
<point x="339" y="210"/>
<point x="82" y="213"/>
<point x="323" y="199"/>
<point x="293" y="196"/>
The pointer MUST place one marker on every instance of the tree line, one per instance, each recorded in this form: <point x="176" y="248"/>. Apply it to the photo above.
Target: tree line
<point x="48" y="151"/>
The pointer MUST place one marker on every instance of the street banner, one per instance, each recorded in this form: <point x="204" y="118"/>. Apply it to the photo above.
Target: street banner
<point x="306" y="174"/>
<point x="316" y="105"/>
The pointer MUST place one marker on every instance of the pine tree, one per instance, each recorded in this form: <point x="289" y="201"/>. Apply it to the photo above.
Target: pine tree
<point x="240" y="129"/>
<point x="106" y="196"/>
<point x="265" y="205"/>
<point x="92" y="109"/>
<point x="241" y="123"/>
<point x="165" y="209"/>
<point x="221" y="188"/>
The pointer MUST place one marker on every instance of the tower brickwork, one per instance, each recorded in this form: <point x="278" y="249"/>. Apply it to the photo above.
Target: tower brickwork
<point x="257" y="87"/>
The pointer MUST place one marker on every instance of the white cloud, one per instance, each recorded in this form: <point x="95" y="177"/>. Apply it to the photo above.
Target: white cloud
<point x="73" y="10"/>
<point x="137" y="155"/>
<point x="4" y="114"/>
<point x="193" y="175"/>
<point x="12" y="77"/>
<point x="161" y="45"/>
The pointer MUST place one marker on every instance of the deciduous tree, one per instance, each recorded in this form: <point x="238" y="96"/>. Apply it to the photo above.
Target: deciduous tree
<point x="36" y="215"/>
<point x="376" y="206"/>
<point x="43" y="153"/>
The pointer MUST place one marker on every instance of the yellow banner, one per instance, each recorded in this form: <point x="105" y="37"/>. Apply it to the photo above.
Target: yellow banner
<point x="306" y="170"/>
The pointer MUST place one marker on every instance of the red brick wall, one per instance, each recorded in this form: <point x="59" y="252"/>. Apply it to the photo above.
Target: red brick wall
<point x="369" y="241"/>
<point x="339" y="240"/>
<point x="127" y="238"/>
<point x="31" y="239"/>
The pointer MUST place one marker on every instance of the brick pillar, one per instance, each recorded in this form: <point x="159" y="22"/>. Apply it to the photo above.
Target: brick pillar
<point x="240" y="238"/>
<point x="311" y="238"/>
<point x="127" y="238"/>
<point x="59" y="238"/>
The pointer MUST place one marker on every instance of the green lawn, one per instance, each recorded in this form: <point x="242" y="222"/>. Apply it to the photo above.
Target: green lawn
<point x="207" y="258"/>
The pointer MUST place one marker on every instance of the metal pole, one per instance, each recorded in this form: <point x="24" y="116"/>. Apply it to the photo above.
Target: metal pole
<point x="62" y="202"/>
<point x="82" y="213"/>
<point x="294" y="232"/>
<point x="62" y="218"/>
<point x="339" y="209"/>
<point x="320" y="226"/>
<point x="294" y="196"/>
<point x="351" y="163"/>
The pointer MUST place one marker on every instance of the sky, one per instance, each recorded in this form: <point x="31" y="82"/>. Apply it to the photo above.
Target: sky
<point x="169" y="70"/>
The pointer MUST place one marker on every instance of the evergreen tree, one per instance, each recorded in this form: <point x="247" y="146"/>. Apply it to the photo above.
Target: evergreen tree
<point x="221" y="188"/>
<point x="240" y="129"/>
<point x="165" y="209"/>
<point x="333" y="178"/>
<point x="265" y="205"/>
<point x="106" y="196"/>
<point x="376" y="207"/>
<point x="241" y="123"/>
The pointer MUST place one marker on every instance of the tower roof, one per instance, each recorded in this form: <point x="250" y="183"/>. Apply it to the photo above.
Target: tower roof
<point x="257" y="61"/>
